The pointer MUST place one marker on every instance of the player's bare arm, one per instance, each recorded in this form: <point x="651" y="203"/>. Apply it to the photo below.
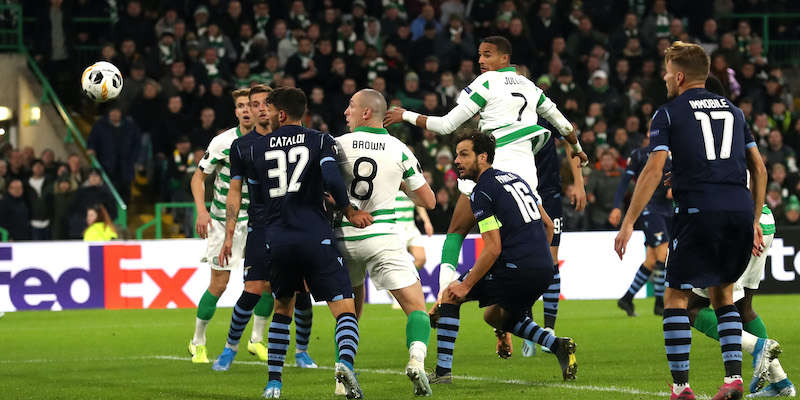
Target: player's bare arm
<point x="426" y="220"/>
<point x="758" y="187"/>
<point x="648" y="181"/>
<point x="198" y="185"/>
<point x="232" y="205"/>
<point x="578" y="197"/>
<point x="422" y="197"/>
<point x="491" y="250"/>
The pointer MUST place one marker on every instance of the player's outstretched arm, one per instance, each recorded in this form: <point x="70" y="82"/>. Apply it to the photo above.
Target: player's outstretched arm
<point x="443" y="125"/>
<point x="232" y="205"/>
<point x="648" y="181"/>
<point x="758" y="187"/>
<point x="198" y="185"/>
<point x="547" y="109"/>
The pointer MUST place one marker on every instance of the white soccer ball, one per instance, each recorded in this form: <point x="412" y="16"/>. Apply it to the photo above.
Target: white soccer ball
<point x="101" y="81"/>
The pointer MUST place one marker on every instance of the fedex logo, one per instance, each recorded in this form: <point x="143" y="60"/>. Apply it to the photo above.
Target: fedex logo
<point x="95" y="276"/>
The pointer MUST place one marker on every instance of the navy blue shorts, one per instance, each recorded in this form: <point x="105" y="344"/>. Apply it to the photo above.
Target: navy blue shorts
<point x="511" y="286"/>
<point x="656" y="228"/>
<point x="256" y="255"/>
<point x="708" y="248"/>
<point x="320" y="265"/>
<point x="551" y="202"/>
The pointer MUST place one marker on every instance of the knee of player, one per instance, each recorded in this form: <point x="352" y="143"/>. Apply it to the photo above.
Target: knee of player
<point x="217" y="287"/>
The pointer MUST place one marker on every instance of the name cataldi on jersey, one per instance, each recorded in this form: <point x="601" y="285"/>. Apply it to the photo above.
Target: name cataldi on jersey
<point x="280" y="141"/>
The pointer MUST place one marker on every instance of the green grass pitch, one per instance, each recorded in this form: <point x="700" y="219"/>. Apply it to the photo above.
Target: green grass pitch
<point x="141" y="354"/>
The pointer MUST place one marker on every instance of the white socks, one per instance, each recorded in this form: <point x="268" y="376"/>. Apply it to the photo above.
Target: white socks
<point x="259" y="325"/>
<point x="418" y="351"/>
<point x="200" y="326"/>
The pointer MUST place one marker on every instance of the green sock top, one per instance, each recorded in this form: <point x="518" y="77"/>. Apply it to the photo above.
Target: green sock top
<point x="418" y="328"/>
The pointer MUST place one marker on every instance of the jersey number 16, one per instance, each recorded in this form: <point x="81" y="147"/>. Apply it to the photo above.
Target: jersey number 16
<point x="525" y="202"/>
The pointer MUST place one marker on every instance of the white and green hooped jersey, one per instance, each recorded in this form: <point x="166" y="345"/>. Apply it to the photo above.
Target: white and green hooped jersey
<point x="373" y="163"/>
<point x="767" y="221"/>
<point x="404" y="210"/>
<point x="509" y="107"/>
<point x="217" y="158"/>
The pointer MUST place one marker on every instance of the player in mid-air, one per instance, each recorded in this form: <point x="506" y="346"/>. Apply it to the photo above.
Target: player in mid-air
<point x="509" y="106"/>
<point x="655" y="222"/>
<point x="514" y="267"/>
<point x="716" y="221"/>
<point x="295" y="165"/>
<point x="374" y="164"/>
<point x="211" y="225"/>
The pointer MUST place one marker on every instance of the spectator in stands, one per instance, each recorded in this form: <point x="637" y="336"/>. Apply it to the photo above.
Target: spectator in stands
<point x="91" y="193"/>
<point x="14" y="212"/>
<point x="234" y="18"/>
<point x="792" y="214"/>
<point x="207" y="130"/>
<point x="75" y="172"/>
<point x="465" y="74"/>
<point x="215" y="68"/>
<point x="424" y="47"/>
<point x="709" y="39"/>
<point x="447" y="90"/>
<point x="780" y="117"/>
<point x="50" y="165"/>
<point x="167" y="21"/>
<point x="411" y="95"/>
<point x="39" y="199"/>
<point x="318" y="106"/>
<point x="132" y="24"/>
<point x="750" y="84"/>
<point x="544" y="27"/>
<point x="116" y="141"/>
<point x="621" y="76"/>
<point x="622" y="144"/>
<point x="656" y="24"/>
<point x="601" y="92"/>
<point x="391" y="19"/>
<point x="16" y="167"/>
<point x="726" y="76"/>
<point x="581" y="43"/>
<point x="618" y="39"/>
<point x="423" y="21"/>
<point x="339" y="102"/>
<point x="53" y="47"/>
<point x="565" y="87"/>
<point x="99" y="226"/>
<point x="442" y="213"/>
<point x="63" y="195"/>
<point x="220" y="42"/>
<point x="600" y="190"/>
<point x="133" y="85"/>
<point x="180" y="167"/>
<point x="222" y="103"/>
<point x="301" y="65"/>
<point x="164" y="54"/>
<point x="774" y="197"/>
<point x="727" y="47"/>
<point x="246" y="46"/>
<point x="28" y="157"/>
<point x="761" y="129"/>
<point x="262" y="17"/>
<point x="777" y="152"/>
<point x="171" y="81"/>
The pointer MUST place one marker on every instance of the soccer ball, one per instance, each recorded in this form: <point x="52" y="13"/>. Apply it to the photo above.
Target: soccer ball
<point x="101" y="81"/>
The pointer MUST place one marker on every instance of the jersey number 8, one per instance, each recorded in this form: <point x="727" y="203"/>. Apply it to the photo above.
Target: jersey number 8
<point x="297" y="156"/>
<point x="357" y="177"/>
<point x="525" y="202"/>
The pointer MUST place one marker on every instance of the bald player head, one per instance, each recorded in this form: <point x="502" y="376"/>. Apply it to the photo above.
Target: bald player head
<point x="367" y="108"/>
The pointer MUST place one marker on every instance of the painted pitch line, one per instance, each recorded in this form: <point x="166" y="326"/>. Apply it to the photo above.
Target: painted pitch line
<point x="589" y="388"/>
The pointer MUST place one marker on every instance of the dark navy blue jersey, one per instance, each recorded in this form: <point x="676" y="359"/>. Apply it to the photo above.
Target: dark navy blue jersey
<point x="709" y="138"/>
<point x="509" y="199"/>
<point x="241" y="158"/>
<point x="659" y="202"/>
<point x="548" y="165"/>
<point x="288" y="164"/>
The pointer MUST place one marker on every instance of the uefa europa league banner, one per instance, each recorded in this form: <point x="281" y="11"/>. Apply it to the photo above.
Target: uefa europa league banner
<point x="169" y="274"/>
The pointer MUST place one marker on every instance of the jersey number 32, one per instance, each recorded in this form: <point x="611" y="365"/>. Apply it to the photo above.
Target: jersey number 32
<point x="297" y="156"/>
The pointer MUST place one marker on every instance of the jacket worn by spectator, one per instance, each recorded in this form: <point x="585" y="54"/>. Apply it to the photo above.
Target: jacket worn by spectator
<point x="117" y="146"/>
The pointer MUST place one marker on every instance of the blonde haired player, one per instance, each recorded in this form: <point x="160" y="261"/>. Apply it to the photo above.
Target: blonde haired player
<point x="211" y="224"/>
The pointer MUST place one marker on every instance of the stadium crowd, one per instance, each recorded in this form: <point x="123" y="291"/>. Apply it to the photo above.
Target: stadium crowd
<point x="601" y="62"/>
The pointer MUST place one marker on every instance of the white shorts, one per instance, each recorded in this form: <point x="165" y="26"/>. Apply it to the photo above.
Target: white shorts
<point x="751" y="278"/>
<point x="517" y="158"/>
<point x="410" y="236"/>
<point x="216" y="236"/>
<point x="389" y="265"/>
